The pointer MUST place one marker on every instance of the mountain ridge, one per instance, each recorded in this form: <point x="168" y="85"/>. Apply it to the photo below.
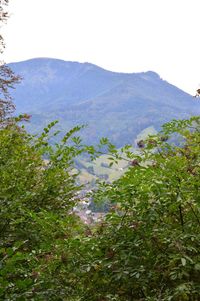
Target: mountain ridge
<point x="114" y="104"/>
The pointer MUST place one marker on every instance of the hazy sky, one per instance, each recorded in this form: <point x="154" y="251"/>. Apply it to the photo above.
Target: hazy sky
<point x="119" y="35"/>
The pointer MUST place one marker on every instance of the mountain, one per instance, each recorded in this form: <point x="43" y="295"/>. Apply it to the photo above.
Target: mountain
<point x="115" y="105"/>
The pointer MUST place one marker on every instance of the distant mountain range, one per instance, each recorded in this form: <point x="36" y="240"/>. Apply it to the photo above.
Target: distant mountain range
<point x="114" y="105"/>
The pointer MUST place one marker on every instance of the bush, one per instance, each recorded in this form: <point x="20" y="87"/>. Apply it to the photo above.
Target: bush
<point x="148" y="246"/>
<point x="36" y="198"/>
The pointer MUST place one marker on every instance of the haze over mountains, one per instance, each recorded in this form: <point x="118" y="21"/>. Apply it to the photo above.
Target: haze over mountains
<point x="115" y="105"/>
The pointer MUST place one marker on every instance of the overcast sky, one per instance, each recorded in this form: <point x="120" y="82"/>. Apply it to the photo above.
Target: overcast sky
<point x="119" y="35"/>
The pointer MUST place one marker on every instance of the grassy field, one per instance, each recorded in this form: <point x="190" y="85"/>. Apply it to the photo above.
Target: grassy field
<point x="90" y="171"/>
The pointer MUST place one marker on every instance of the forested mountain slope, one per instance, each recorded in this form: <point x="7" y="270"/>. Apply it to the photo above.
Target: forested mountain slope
<point x="115" y="105"/>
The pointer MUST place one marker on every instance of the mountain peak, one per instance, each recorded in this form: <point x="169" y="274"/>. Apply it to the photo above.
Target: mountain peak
<point x="113" y="104"/>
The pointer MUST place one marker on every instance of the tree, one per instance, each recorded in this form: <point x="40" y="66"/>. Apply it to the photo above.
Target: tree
<point x="7" y="77"/>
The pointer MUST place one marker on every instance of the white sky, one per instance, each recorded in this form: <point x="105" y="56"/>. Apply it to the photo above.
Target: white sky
<point x="118" y="35"/>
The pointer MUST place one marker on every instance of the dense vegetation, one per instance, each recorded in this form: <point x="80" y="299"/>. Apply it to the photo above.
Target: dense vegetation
<point x="36" y="217"/>
<point x="146" y="247"/>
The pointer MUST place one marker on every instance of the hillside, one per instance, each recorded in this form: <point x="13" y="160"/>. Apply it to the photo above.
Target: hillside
<point x="116" y="105"/>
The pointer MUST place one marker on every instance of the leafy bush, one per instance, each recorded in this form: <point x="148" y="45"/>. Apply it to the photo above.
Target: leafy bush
<point x="36" y="198"/>
<point x="148" y="246"/>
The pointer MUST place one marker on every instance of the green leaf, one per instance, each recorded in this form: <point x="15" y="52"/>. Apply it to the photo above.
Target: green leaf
<point x="183" y="261"/>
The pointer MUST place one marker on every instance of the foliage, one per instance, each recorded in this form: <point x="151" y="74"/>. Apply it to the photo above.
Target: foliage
<point x="147" y="248"/>
<point x="36" y="199"/>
